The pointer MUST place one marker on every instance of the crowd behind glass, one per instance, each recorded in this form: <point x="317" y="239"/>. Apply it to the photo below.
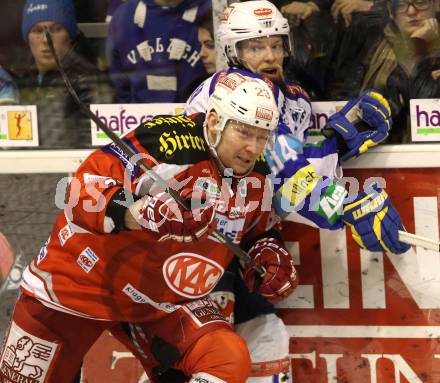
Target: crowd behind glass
<point x="160" y="50"/>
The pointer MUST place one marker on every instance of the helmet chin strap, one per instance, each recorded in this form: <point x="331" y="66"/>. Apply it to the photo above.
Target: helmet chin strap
<point x="222" y="169"/>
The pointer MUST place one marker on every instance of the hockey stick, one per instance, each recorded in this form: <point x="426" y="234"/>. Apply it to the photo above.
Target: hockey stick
<point x="417" y="240"/>
<point x="236" y="250"/>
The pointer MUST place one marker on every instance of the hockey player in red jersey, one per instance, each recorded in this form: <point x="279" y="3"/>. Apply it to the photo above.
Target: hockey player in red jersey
<point x="254" y="38"/>
<point x="123" y="251"/>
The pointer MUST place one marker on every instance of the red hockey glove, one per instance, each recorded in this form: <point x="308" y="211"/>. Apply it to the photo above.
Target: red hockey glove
<point x="280" y="278"/>
<point x="162" y="215"/>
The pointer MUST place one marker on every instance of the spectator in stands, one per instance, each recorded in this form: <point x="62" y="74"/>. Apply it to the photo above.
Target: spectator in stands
<point x="327" y="35"/>
<point x="61" y="124"/>
<point x="298" y="11"/>
<point x="359" y="24"/>
<point x="411" y="35"/>
<point x="313" y="34"/>
<point x="347" y="8"/>
<point x="13" y="51"/>
<point x="8" y="89"/>
<point x="207" y="44"/>
<point x="153" y="50"/>
<point x="425" y="79"/>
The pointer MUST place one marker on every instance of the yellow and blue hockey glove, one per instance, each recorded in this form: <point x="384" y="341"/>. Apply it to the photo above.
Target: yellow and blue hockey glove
<point x="374" y="222"/>
<point x="361" y="124"/>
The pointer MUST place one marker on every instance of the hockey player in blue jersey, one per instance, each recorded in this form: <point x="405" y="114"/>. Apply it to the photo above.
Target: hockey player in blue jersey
<point x="254" y="37"/>
<point x="153" y="50"/>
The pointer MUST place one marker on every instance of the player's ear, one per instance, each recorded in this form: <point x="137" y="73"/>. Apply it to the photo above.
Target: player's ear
<point x="211" y="120"/>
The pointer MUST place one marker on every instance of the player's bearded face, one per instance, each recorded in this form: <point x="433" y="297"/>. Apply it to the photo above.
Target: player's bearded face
<point x="263" y="55"/>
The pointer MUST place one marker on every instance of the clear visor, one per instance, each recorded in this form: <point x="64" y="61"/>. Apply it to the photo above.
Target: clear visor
<point x="263" y="47"/>
<point x="248" y="133"/>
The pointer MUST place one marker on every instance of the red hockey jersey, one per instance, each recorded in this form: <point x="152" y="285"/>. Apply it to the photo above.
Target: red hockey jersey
<point x="91" y="266"/>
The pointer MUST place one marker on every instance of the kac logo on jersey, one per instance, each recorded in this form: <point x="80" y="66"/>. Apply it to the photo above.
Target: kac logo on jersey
<point x="87" y="259"/>
<point x="191" y="275"/>
<point x="64" y="234"/>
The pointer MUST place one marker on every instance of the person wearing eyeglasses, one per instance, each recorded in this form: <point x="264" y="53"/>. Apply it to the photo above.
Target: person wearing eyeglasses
<point x="60" y="122"/>
<point x="389" y="62"/>
<point x="416" y="18"/>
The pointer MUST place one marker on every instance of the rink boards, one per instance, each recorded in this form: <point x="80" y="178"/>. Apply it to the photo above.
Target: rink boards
<point x="356" y="316"/>
<point x="363" y="317"/>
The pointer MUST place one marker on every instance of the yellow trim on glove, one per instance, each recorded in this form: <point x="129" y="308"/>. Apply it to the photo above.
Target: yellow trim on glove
<point x="381" y="99"/>
<point x="366" y="145"/>
<point x="377" y="227"/>
<point x="357" y="238"/>
<point x="368" y="207"/>
<point x="354" y="204"/>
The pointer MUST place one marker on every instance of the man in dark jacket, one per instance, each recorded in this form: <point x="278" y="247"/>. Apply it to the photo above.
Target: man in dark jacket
<point x="61" y="124"/>
<point x="391" y="60"/>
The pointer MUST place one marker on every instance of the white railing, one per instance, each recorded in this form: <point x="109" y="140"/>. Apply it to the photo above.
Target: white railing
<point x="67" y="161"/>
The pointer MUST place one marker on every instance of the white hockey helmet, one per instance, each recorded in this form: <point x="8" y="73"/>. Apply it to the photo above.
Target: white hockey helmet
<point x="244" y="99"/>
<point x="250" y="20"/>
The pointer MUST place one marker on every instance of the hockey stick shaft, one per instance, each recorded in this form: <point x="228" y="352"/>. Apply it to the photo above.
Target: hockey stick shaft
<point x="417" y="240"/>
<point x="236" y="250"/>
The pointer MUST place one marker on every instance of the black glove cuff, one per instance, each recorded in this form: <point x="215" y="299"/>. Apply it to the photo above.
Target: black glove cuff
<point x="341" y="144"/>
<point x="116" y="210"/>
<point x="329" y="133"/>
